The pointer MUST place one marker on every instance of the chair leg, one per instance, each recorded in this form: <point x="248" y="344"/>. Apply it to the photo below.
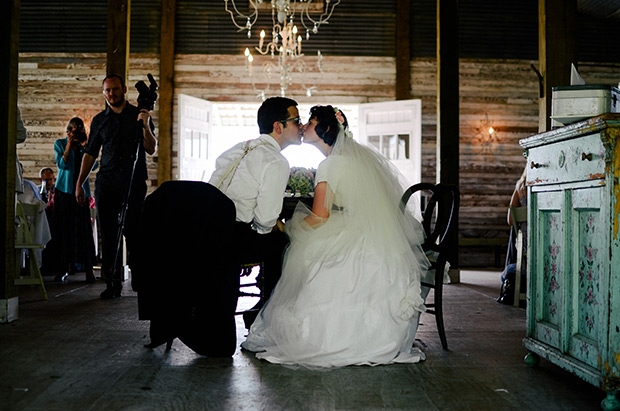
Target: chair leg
<point x="517" y="287"/>
<point x="36" y="272"/>
<point x="438" y="299"/>
<point x="440" y="326"/>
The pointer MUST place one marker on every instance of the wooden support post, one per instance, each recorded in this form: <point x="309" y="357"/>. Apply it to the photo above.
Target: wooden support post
<point x="557" y="49"/>
<point x="119" y="13"/>
<point x="166" y="91"/>
<point x="9" y="23"/>
<point x="403" y="49"/>
<point x="448" y="102"/>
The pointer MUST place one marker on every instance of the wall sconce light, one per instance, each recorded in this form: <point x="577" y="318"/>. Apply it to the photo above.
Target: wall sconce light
<point x="486" y="136"/>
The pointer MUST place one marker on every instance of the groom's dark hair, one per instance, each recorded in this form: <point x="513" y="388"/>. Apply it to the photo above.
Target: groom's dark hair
<point x="273" y="109"/>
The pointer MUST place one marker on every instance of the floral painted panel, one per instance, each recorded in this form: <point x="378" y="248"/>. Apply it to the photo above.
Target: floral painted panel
<point x="552" y="266"/>
<point x="589" y="266"/>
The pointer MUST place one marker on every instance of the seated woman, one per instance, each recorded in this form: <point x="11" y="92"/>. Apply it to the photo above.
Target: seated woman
<point x="518" y="199"/>
<point x="350" y="286"/>
<point x="72" y="224"/>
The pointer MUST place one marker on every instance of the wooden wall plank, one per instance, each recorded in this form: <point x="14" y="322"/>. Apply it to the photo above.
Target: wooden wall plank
<point x="55" y="87"/>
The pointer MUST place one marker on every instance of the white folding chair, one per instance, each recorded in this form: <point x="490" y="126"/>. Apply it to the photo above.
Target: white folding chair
<point x="27" y="217"/>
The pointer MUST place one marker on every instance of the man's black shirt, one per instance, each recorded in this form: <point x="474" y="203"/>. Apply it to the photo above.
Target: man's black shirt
<point x="117" y="136"/>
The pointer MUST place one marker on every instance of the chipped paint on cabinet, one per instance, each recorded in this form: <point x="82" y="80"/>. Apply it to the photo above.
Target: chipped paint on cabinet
<point x="573" y="311"/>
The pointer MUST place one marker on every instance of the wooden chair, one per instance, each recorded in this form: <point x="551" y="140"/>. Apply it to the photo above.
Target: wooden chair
<point x="246" y="270"/>
<point x="27" y="215"/>
<point x="518" y="215"/>
<point x="441" y="206"/>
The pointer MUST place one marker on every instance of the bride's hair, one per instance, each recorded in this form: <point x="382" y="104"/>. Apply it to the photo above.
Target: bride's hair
<point x="327" y="126"/>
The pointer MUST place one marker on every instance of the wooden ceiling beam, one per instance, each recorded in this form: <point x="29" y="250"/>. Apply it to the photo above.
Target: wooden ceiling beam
<point x="557" y="49"/>
<point x="9" y="38"/>
<point x="166" y="91"/>
<point x="448" y="106"/>
<point x="117" y="60"/>
<point x="403" y="49"/>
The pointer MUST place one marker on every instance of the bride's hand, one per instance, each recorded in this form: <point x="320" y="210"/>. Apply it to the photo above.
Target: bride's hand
<point x="279" y="226"/>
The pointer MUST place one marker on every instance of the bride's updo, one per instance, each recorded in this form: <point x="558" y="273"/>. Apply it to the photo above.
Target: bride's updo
<point x="327" y="127"/>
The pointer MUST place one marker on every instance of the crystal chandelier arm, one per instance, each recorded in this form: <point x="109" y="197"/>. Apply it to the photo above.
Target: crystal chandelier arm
<point x="248" y="25"/>
<point x="301" y="67"/>
<point x="271" y="46"/>
<point x="322" y="19"/>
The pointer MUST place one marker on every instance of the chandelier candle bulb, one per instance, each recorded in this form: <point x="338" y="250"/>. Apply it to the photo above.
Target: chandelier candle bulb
<point x="262" y="39"/>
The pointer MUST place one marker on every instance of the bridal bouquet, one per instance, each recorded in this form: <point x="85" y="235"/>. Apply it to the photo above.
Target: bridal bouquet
<point x="301" y="179"/>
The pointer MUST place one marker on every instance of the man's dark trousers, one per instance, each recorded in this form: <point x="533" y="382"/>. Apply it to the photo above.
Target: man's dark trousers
<point x="267" y="249"/>
<point x="109" y="197"/>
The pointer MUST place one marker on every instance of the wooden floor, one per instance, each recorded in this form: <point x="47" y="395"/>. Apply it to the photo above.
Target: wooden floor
<point x="76" y="352"/>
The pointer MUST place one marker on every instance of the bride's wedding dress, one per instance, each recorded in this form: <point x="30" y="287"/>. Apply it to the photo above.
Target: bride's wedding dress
<point x="350" y="288"/>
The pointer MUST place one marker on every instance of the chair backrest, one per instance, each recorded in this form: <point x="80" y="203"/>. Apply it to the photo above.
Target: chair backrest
<point x="441" y="207"/>
<point x="518" y="215"/>
<point x="187" y="227"/>
<point x="26" y="215"/>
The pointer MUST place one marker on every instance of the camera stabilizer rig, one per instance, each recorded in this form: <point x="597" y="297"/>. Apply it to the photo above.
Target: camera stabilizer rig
<point x="146" y="100"/>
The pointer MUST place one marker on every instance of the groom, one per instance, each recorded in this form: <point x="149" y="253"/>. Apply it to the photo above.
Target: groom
<point x="253" y="174"/>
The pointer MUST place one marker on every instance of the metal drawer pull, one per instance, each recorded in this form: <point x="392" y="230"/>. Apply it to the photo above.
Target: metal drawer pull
<point x="536" y="165"/>
<point x="585" y="156"/>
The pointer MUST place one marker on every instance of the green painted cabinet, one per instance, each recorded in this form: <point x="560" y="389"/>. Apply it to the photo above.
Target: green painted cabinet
<point x="573" y="292"/>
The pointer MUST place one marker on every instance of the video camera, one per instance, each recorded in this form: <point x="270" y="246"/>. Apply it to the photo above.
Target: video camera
<point x="148" y="95"/>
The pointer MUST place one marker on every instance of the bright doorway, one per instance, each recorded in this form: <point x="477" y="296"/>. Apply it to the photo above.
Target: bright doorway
<point x="226" y="124"/>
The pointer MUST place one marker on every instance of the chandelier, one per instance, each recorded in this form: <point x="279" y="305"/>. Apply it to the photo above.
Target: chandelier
<point x="281" y="52"/>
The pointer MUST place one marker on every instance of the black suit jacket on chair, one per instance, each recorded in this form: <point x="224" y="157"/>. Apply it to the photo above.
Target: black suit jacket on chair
<point x="186" y="274"/>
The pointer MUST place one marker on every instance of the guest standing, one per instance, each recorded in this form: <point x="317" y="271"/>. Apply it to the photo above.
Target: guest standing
<point x="518" y="199"/>
<point x="118" y="132"/>
<point x="72" y="224"/>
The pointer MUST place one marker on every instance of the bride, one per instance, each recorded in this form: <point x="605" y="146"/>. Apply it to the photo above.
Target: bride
<point x="350" y="286"/>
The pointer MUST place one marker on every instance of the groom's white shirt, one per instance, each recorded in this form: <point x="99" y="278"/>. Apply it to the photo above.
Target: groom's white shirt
<point x="258" y="184"/>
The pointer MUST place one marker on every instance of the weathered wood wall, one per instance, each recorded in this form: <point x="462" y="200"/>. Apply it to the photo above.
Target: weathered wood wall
<point x="55" y="87"/>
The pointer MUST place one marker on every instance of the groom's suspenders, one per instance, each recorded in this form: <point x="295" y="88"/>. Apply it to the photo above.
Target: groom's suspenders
<point x="233" y="167"/>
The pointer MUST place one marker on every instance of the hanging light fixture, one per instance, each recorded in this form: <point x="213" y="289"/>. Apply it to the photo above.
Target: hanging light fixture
<point x="283" y="47"/>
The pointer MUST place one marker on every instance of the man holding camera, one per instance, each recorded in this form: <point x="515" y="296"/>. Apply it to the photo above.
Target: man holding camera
<point x="117" y="131"/>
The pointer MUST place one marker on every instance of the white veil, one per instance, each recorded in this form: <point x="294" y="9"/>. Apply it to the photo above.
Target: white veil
<point x="366" y="214"/>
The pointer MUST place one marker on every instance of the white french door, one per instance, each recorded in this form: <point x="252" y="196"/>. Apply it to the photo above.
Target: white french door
<point x="395" y="129"/>
<point x="195" y="118"/>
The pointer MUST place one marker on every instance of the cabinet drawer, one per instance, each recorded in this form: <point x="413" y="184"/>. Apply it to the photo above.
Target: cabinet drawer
<point x="578" y="159"/>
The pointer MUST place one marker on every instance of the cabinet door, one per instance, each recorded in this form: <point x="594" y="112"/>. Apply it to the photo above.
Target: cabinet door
<point x="586" y="299"/>
<point x="548" y="267"/>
